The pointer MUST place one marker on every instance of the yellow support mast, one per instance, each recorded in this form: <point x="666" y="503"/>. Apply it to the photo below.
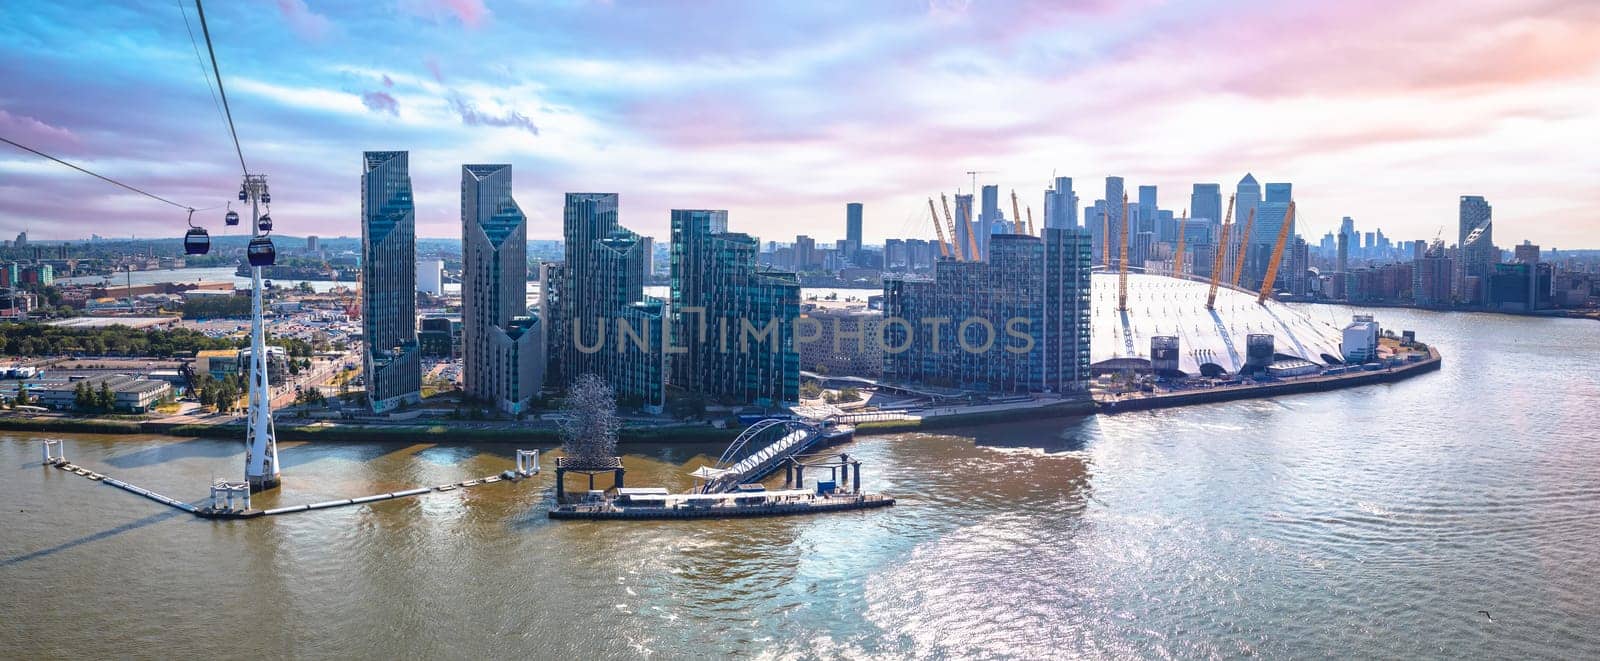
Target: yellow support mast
<point x="1216" y="262"/>
<point x="973" y="253"/>
<point x="944" y="248"/>
<point x="1244" y="248"/>
<point x="1277" y="256"/>
<point x="951" y="224"/>
<point x="1177" y="255"/>
<point x="1016" y="215"/>
<point x="1122" y="280"/>
<point x="1030" y="222"/>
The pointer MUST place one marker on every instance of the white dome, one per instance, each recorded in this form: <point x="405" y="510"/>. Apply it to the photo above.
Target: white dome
<point x="1161" y="305"/>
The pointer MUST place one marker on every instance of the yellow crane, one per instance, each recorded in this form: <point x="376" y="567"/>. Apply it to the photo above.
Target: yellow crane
<point x="1277" y="256"/>
<point x="1030" y="222"/>
<point x="944" y="248"/>
<point x="1177" y="255"/>
<point x="1244" y="247"/>
<point x="950" y="223"/>
<point x="1216" y="262"/>
<point x="1122" y="279"/>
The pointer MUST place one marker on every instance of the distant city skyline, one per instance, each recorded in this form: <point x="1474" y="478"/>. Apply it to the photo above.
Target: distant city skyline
<point x="808" y="107"/>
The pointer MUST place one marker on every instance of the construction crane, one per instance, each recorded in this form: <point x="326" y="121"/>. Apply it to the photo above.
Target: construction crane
<point x="950" y="223"/>
<point x="1122" y="278"/>
<point x="974" y="174"/>
<point x="1177" y="255"/>
<point x="1244" y="247"/>
<point x="1277" y="256"/>
<point x="1216" y="261"/>
<point x="1016" y="215"/>
<point x="944" y="248"/>
<point x="1030" y="222"/>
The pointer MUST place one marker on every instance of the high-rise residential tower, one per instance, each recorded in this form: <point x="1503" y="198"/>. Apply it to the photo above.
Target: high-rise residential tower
<point x="1476" y="245"/>
<point x="734" y="322"/>
<point x="611" y="329"/>
<point x="852" y="228"/>
<point x="502" y="345"/>
<point x="392" y="358"/>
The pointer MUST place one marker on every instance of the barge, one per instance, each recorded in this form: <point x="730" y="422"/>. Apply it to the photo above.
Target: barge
<point x="649" y="503"/>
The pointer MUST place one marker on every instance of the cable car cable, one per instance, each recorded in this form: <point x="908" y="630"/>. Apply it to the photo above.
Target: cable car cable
<point x="221" y="91"/>
<point x="101" y="177"/>
<point x="200" y="60"/>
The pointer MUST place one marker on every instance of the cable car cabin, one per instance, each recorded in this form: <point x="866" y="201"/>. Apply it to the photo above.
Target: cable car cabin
<point x="232" y="218"/>
<point x="243" y="195"/>
<point x="196" y="241"/>
<point x="260" y="252"/>
<point x="266" y="198"/>
<point x="265" y="223"/>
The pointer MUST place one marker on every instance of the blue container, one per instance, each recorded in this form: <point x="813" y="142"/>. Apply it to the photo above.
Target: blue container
<point x="825" y="488"/>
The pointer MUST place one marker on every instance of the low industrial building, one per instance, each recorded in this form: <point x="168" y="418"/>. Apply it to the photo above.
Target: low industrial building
<point x="1360" y="342"/>
<point x="131" y="395"/>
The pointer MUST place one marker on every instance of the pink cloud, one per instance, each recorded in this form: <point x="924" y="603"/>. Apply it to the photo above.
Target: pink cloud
<point x="305" y="22"/>
<point x="37" y="134"/>
<point x="471" y="13"/>
<point x="381" y="102"/>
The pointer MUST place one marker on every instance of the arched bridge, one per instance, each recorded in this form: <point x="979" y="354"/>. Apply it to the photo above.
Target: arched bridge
<point x="761" y="449"/>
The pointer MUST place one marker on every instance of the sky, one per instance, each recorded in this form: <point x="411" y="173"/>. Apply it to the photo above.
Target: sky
<point x="783" y="112"/>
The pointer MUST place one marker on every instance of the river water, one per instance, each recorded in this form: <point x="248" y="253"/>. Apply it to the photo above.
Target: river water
<point x="1376" y="521"/>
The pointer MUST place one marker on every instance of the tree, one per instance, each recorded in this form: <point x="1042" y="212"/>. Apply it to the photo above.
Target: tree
<point x="810" y="390"/>
<point x="81" y="397"/>
<point x="589" y="423"/>
<point x="22" y="395"/>
<point x="849" y="394"/>
<point x="104" y="399"/>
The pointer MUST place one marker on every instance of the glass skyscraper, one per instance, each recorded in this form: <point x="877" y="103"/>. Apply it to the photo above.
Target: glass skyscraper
<point x="852" y="228"/>
<point x="722" y="308"/>
<point x="503" y="346"/>
<point x="1061" y="205"/>
<point x="392" y="359"/>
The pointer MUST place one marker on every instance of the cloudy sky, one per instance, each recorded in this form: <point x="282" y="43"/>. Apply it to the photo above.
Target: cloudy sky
<point x="783" y="112"/>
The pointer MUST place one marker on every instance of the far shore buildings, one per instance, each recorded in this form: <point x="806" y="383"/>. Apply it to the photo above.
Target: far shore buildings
<point x="503" y="346"/>
<point x="392" y="358"/>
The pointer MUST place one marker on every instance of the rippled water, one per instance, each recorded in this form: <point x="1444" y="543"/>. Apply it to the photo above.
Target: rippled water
<point x="1377" y="521"/>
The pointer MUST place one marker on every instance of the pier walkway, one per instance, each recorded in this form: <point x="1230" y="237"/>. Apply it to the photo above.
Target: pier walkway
<point x="762" y="448"/>
<point x="527" y="466"/>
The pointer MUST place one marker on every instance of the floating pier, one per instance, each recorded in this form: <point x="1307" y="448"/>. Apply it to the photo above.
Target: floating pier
<point x="231" y="500"/>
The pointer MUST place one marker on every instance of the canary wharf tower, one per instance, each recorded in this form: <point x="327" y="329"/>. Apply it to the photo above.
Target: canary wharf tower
<point x="389" y="282"/>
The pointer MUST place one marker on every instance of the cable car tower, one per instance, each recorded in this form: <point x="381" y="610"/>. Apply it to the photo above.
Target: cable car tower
<point x="261" y="440"/>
